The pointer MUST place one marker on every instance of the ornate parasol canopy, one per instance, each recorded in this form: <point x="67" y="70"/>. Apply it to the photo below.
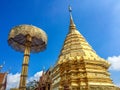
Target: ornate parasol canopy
<point x="17" y="38"/>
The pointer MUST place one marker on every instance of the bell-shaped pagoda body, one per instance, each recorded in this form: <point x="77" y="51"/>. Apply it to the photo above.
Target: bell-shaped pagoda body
<point x="79" y="67"/>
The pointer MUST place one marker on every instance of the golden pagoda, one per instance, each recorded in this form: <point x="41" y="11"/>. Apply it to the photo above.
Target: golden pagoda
<point x="78" y="66"/>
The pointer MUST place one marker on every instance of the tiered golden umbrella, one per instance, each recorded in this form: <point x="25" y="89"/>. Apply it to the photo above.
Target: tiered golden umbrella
<point x="27" y="38"/>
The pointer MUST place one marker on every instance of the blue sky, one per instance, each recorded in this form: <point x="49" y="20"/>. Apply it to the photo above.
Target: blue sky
<point x="97" y="20"/>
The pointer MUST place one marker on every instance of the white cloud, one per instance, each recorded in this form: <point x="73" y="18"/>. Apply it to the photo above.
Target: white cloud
<point x="13" y="79"/>
<point x="115" y="63"/>
<point x="36" y="76"/>
<point x="118" y="84"/>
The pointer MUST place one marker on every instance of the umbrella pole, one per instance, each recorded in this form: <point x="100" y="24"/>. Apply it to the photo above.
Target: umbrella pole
<point x="24" y="72"/>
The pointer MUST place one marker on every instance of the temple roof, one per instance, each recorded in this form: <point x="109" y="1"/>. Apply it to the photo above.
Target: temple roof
<point x="75" y="45"/>
<point x="2" y="78"/>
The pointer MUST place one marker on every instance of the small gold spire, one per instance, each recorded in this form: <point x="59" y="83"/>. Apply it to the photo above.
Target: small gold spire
<point x="43" y="68"/>
<point x="72" y="25"/>
<point x="1" y="66"/>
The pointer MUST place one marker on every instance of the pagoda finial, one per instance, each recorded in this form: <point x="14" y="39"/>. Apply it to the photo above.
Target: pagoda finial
<point x="72" y="25"/>
<point x="1" y="66"/>
<point x="43" y="69"/>
<point x="70" y="9"/>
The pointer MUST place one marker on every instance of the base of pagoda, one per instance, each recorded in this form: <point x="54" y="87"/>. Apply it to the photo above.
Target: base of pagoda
<point x="97" y="88"/>
<point x="103" y="88"/>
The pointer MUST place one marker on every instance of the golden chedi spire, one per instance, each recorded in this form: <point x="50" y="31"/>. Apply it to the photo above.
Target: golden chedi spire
<point x="78" y="66"/>
<point x="72" y="25"/>
<point x="75" y="44"/>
